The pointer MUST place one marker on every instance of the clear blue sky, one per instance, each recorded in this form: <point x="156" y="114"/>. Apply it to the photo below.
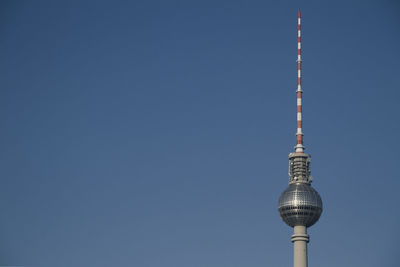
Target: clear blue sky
<point x="156" y="133"/>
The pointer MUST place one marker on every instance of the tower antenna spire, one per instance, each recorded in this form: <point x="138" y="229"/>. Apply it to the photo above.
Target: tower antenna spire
<point x="299" y="134"/>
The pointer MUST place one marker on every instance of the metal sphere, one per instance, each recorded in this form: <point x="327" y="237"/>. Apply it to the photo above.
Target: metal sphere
<point x="300" y="204"/>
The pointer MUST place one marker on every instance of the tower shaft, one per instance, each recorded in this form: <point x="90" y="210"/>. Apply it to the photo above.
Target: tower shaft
<point x="300" y="240"/>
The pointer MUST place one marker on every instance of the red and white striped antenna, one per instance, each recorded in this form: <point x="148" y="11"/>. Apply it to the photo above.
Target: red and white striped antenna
<point x="299" y="146"/>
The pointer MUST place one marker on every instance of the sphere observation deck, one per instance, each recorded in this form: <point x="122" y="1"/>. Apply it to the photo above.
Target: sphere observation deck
<point x="300" y="204"/>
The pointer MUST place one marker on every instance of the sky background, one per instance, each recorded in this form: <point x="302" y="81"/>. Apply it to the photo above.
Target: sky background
<point x="156" y="133"/>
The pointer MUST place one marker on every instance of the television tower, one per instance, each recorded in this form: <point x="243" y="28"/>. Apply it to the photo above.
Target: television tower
<point x="300" y="205"/>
